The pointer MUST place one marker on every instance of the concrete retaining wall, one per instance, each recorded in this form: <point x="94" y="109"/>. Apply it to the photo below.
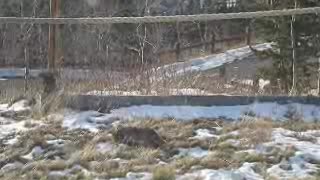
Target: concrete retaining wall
<point x="104" y="103"/>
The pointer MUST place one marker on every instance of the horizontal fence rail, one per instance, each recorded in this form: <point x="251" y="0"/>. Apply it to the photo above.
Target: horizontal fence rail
<point x="159" y="19"/>
<point x="91" y="102"/>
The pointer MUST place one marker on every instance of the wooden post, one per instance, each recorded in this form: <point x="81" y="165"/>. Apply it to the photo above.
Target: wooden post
<point x="178" y="51"/>
<point x="178" y="44"/>
<point x="318" y="76"/>
<point x="27" y="69"/>
<point x="213" y="43"/>
<point x="249" y="33"/>
<point x="53" y="53"/>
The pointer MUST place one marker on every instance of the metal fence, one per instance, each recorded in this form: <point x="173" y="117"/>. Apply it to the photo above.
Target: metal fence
<point x="135" y="55"/>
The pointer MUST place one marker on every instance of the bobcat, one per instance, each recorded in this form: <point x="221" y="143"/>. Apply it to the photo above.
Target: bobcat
<point x="49" y="83"/>
<point x="143" y="137"/>
<point x="50" y="95"/>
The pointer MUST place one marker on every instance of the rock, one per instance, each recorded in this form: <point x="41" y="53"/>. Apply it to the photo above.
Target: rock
<point x="29" y="166"/>
<point x="20" y="106"/>
<point x="50" y="137"/>
<point x="196" y="167"/>
<point x="55" y="154"/>
<point x="57" y="175"/>
<point x="11" y="167"/>
<point x="285" y="166"/>
<point x="143" y="176"/>
<point x="35" y="153"/>
<point x="144" y="137"/>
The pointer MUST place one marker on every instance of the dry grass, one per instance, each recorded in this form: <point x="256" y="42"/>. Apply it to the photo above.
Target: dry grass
<point x="105" y="166"/>
<point x="252" y="133"/>
<point x="90" y="153"/>
<point x="46" y="166"/>
<point x="102" y="137"/>
<point x="184" y="164"/>
<point x="251" y="157"/>
<point x="300" y="126"/>
<point x="148" y="156"/>
<point x="214" y="162"/>
<point x="222" y="146"/>
<point x="164" y="173"/>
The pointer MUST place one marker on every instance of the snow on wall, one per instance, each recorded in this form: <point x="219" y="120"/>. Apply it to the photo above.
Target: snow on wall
<point x="92" y="120"/>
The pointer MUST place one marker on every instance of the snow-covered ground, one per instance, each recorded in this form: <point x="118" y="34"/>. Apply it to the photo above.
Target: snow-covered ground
<point x="210" y="62"/>
<point x="244" y="172"/>
<point x="10" y="126"/>
<point x="173" y="92"/>
<point x="303" y="163"/>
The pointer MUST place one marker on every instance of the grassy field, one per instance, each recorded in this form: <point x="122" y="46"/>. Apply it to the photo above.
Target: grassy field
<point x="44" y="149"/>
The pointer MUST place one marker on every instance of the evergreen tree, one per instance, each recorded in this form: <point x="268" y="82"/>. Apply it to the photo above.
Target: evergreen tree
<point x="303" y="32"/>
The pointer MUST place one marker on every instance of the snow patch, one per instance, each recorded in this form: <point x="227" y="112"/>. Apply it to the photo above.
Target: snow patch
<point x="56" y="142"/>
<point x="90" y="120"/>
<point x="268" y="110"/>
<point x="302" y="164"/>
<point x="11" y="128"/>
<point x="210" y="62"/>
<point x="105" y="147"/>
<point x="306" y="148"/>
<point x="196" y="152"/>
<point x="203" y="134"/>
<point x="136" y="176"/>
<point x="93" y="120"/>
<point x="297" y="168"/>
<point x="244" y="172"/>
<point x="19" y="106"/>
<point x="172" y="92"/>
<point x="35" y="153"/>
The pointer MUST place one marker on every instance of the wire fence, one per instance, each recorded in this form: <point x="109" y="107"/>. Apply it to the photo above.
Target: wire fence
<point x="151" y="55"/>
<point x="160" y="19"/>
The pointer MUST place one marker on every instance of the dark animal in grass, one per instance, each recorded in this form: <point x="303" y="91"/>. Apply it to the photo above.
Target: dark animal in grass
<point x="141" y="137"/>
<point x="49" y="94"/>
<point x="49" y="82"/>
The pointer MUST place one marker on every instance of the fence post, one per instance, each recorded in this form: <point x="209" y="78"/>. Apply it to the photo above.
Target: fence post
<point x="249" y="33"/>
<point x="26" y="69"/>
<point x="178" y="51"/>
<point x="178" y="44"/>
<point x="53" y="51"/>
<point x="213" y="43"/>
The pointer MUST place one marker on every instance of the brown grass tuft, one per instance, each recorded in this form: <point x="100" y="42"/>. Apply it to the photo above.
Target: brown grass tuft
<point x="254" y="132"/>
<point x="164" y="173"/>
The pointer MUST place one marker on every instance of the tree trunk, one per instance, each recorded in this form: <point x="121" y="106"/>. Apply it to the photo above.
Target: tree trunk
<point x="318" y="76"/>
<point x="293" y="90"/>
